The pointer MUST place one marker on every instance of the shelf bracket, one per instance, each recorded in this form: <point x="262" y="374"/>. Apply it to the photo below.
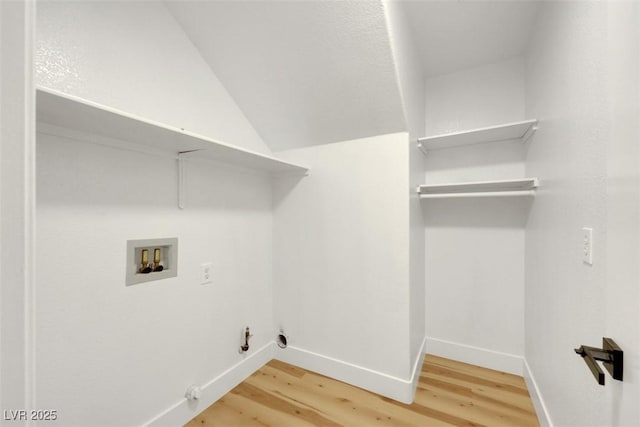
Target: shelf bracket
<point x="529" y="133"/>
<point x="181" y="200"/>
<point x="182" y="203"/>
<point x="421" y="148"/>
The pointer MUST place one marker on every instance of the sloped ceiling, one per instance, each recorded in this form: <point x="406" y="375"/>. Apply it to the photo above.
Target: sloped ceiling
<point x="452" y="35"/>
<point x="303" y="72"/>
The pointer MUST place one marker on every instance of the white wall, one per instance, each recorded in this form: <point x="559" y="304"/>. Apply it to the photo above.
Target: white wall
<point x="477" y="97"/>
<point x="17" y="197"/>
<point x="623" y="206"/>
<point x="342" y="262"/>
<point x="135" y="57"/>
<point x="411" y="83"/>
<point x="114" y="355"/>
<point x="475" y="247"/>
<point x="582" y="84"/>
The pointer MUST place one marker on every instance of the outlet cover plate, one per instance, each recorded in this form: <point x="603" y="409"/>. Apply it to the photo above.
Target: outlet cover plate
<point x="587" y="245"/>
<point x="206" y="271"/>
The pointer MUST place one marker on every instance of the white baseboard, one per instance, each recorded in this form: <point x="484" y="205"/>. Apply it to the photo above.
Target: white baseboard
<point x="395" y="388"/>
<point x="380" y="383"/>
<point x="536" y="397"/>
<point x="483" y="357"/>
<point x="417" y="368"/>
<point x="184" y="410"/>
<point x="402" y="390"/>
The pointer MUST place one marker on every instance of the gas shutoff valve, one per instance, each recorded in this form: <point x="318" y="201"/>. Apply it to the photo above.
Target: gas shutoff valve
<point x="247" y="335"/>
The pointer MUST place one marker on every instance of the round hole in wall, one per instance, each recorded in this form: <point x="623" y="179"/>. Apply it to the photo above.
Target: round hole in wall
<point x="282" y="341"/>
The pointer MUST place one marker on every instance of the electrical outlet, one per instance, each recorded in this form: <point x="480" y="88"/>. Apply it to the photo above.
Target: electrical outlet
<point x="587" y="245"/>
<point x="206" y="270"/>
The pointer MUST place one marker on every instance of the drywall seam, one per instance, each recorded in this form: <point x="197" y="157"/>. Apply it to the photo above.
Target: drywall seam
<point x="536" y="397"/>
<point x="183" y="411"/>
<point x="376" y="382"/>
<point x="478" y="356"/>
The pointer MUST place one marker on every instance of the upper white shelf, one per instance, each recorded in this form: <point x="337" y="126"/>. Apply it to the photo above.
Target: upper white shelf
<point x="59" y="111"/>
<point x="510" y="187"/>
<point x="510" y="131"/>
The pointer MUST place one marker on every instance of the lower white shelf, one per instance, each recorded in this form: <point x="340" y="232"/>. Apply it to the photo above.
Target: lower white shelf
<point x="502" y="188"/>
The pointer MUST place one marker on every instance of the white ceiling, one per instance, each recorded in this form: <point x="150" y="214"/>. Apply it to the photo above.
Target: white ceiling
<point x="452" y="35"/>
<point x="319" y="71"/>
<point x="303" y="72"/>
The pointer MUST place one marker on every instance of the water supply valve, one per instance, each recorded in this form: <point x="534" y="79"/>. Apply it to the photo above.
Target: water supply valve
<point x="247" y="335"/>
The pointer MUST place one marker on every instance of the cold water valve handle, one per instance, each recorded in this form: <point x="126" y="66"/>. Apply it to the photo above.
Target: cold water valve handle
<point x="610" y="354"/>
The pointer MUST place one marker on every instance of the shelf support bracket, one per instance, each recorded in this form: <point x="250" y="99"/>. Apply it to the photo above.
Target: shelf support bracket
<point x="182" y="202"/>
<point x="529" y="133"/>
<point x="421" y="148"/>
<point x="181" y="199"/>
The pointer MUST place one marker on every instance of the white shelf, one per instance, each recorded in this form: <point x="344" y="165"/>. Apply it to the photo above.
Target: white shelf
<point x="503" y="188"/>
<point x="57" y="113"/>
<point x="518" y="131"/>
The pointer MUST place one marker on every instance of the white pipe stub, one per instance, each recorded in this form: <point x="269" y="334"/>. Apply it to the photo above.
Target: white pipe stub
<point x="193" y="392"/>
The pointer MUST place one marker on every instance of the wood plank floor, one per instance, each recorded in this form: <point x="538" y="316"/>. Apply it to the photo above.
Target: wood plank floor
<point x="449" y="393"/>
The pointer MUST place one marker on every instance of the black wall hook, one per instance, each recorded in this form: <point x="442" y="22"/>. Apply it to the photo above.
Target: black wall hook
<point x="610" y="354"/>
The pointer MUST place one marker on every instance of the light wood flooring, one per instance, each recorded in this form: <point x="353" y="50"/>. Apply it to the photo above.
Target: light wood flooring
<point x="449" y="393"/>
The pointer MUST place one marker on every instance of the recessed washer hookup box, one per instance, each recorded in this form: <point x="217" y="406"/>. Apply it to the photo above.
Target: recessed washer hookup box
<point x="151" y="259"/>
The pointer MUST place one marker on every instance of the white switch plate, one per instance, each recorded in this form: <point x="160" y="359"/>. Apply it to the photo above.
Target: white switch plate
<point x="206" y="271"/>
<point x="587" y="245"/>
